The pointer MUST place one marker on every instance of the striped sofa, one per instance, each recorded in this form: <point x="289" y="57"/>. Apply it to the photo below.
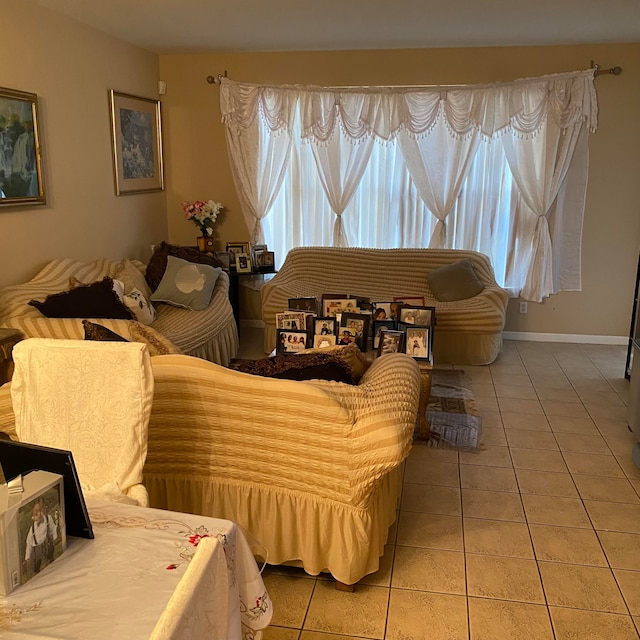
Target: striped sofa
<point x="312" y="470"/>
<point x="467" y="331"/>
<point x="211" y="334"/>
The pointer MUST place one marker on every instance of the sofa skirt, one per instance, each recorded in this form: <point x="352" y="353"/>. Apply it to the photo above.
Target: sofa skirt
<point x="318" y="534"/>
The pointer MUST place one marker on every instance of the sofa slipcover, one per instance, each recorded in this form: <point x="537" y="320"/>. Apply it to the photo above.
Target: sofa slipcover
<point x="467" y="331"/>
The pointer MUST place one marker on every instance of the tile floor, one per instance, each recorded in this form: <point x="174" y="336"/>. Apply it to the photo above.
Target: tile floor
<point x="535" y="537"/>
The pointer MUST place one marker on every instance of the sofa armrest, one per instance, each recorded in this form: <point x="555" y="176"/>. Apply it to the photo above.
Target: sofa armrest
<point x="321" y="438"/>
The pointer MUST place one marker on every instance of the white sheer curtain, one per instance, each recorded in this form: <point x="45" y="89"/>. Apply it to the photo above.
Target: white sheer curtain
<point x="498" y="168"/>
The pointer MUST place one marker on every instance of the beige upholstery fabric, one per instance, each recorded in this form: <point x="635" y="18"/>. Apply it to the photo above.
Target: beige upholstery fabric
<point x="311" y="469"/>
<point x="93" y="398"/>
<point x="210" y="334"/>
<point x="467" y="332"/>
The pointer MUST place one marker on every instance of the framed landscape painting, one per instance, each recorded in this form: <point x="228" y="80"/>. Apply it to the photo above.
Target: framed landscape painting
<point x="21" y="179"/>
<point x="137" y="143"/>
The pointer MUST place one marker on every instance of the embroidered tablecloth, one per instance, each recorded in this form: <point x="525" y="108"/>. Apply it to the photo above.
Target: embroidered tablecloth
<point x="118" y="585"/>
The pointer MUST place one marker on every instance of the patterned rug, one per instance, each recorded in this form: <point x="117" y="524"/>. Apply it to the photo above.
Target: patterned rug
<point x="452" y="413"/>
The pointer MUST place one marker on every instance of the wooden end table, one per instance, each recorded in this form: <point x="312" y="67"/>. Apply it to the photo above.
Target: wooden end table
<point x="8" y="339"/>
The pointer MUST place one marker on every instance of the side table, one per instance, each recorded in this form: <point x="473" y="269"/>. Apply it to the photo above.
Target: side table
<point x="8" y="339"/>
<point x="424" y="428"/>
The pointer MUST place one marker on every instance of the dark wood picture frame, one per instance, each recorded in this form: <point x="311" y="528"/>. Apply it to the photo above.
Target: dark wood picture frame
<point x="378" y="327"/>
<point x="318" y="323"/>
<point x="361" y="323"/>
<point x="391" y="341"/>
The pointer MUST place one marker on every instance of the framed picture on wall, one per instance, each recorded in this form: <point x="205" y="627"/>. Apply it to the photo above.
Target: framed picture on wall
<point x="21" y="174"/>
<point x="136" y="140"/>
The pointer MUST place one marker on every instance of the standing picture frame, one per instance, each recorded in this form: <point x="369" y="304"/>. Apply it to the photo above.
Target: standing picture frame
<point x="358" y="324"/>
<point x="243" y="263"/>
<point x="136" y="142"/>
<point x="290" y="341"/>
<point x="21" y="169"/>
<point x="417" y="342"/>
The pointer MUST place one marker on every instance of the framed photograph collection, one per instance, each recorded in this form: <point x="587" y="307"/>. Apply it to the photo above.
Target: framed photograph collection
<point x="403" y="324"/>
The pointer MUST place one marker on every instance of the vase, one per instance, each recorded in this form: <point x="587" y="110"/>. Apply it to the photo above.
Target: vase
<point x="205" y="243"/>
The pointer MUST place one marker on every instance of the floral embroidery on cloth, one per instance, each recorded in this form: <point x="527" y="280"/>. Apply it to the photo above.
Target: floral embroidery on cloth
<point x="11" y="614"/>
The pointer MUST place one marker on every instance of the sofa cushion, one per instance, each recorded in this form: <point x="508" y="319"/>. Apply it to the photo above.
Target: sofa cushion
<point x="455" y="281"/>
<point x="141" y="308"/>
<point x="351" y="355"/>
<point x="186" y="284"/>
<point x="158" y="345"/>
<point x="95" y="300"/>
<point x="158" y="262"/>
<point x="298" y="366"/>
<point x="93" y="331"/>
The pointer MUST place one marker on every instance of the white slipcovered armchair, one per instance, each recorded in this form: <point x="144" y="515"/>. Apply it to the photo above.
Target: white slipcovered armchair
<point x="93" y="399"/>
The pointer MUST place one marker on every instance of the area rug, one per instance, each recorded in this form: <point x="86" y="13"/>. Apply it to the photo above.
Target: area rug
<point x="452" y="412"/>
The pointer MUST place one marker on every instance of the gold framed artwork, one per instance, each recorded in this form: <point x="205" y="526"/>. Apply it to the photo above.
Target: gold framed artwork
<point x="136" y="140"/>
<point x="21" y="174"/>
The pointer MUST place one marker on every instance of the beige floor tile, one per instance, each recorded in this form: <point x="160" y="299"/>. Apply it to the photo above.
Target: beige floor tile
<point x="544" y="483"/>
<point x="565" y="544"/>
<point x="487" y="478"/>
<point x="430" y="531"/>
<point x="497" y="538"/>
<point x="281" y="633"/>
<point x="443" y="474"/>
<point x="382" y="577"/>
<point x="419" y="615"/>
<point x="492" y="505"/>
<point x="484" y="389"/>
<point x="493" y="437"/>
<point x="501" y="377"/>
<point x="504" y="620"/>
<point x="612" y="516"/>
<point x="361" y="613"/>
<point x="547" y="381"/>
<point x="569" y="409"/>
<point x="491" y="419"/>
<point x="504" y="578"/>
<point x="479" y="373"/>
<point x="635" y="482"/>
<point x="580" y="587"/>
<point x="429" y="570"/>
<point x="431" y="499"/>
<point x="571" y="624"/>
<point x="533" y="422"/>
<point x="525" y="439"/>
<point x="606" y="489"/>
<point x="562" y="512"/>
<point x="593" y="465"/>
<point x="620" y="445"/>
<point x="580" y="443"/>
<point x="429" y="455"/>
<point x="622" y="549"/>
<point x="567" y="424"/>
<point x="628" y="466"/>
<point x="515" y="391"/>
<point x="538" y="459"/>
<point x="611" y="427"/>
<point x="486" y="404"/>
<point x="290" y="597"/>
<point x="487" y="456"/>
<point x="610" y="412"/>
<point x="629" y="583"/>
<point x="601" y="397"/>
<point x="513" y="367"/>
<point x="585" y="387"/>
<point x="557" y="395"/>
<point x="515" y="405"/>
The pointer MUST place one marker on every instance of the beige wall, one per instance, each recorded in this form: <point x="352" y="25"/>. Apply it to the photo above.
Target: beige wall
<point x="71" y="68"/>
<point x="197" y="165"/>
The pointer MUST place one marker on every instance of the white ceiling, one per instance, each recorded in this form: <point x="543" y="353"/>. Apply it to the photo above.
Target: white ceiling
<point x="171" y="26"/>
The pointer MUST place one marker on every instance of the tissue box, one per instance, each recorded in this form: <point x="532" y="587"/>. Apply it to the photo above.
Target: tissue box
<point x="32" y="527"/>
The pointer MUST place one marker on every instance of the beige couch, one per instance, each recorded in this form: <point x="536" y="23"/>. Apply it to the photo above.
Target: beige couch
<point x="467" y="331"/>
<point x="211" y="334"/>
<point x="311" y="469"/>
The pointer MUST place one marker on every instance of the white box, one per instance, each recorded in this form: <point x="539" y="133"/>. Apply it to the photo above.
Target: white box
<point x="32" y="527"/>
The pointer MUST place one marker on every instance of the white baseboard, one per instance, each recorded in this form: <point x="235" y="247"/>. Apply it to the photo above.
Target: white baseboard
<point x="256" y="324"/>
<point x="565" y="337"/>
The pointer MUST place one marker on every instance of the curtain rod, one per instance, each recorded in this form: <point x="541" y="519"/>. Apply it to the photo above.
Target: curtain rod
<point x="616" y="71"/>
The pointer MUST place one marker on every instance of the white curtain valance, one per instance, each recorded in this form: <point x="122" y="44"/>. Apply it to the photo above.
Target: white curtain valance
<point x="521" y="107"/>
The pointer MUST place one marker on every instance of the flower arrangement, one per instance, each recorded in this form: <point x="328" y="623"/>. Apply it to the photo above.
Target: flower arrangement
<point x="203" y="214"/>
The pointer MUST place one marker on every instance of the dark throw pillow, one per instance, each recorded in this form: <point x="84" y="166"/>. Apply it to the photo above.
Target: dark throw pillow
<point x="455" y="281"/>
<point x="301" y="366"/>
<point x="95" y="300"/>
<point x="158" y="262"/>
<point x="93" y="331"/>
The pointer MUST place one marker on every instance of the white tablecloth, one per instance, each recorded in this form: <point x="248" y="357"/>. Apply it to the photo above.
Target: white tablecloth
<point x="118" y="585"/>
